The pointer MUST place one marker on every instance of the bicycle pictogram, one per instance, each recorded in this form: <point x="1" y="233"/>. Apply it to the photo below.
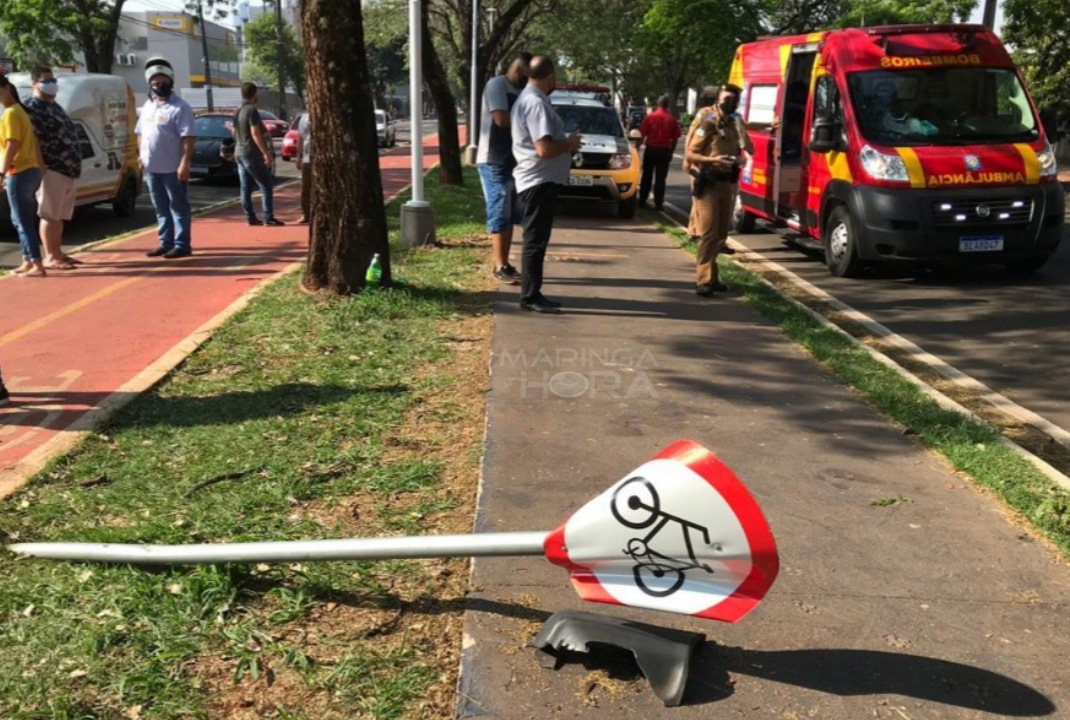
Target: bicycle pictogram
<point x="637" y="505"/>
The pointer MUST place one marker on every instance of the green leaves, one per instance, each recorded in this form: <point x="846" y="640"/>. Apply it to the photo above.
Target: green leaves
<point x="266" y="53"/>
<point x="47" y="31"/>
<point x="1036" y="29"/>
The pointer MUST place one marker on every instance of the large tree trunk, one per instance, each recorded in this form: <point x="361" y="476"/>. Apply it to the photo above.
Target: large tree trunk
<point x="449" y="144"/>
<point x="97" y="35"/>
<point x="348" y="223"/>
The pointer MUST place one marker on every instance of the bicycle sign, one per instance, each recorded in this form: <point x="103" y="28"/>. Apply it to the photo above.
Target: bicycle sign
<point x="680" y="533"/>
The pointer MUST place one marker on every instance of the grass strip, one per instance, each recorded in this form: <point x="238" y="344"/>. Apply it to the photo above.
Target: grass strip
<point x="302" y="418"/>
<point x="969" y="446"/>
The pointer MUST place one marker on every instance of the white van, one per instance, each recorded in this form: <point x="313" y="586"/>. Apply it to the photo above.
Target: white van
<point x="105" y="117"/>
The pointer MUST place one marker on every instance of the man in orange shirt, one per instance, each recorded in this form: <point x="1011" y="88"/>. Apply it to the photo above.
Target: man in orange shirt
<point x="661" y="132"/>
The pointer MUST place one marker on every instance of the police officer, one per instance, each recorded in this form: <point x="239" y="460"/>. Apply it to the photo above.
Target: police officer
<point x="707" y="104"/>
<point x="713" y="152"/>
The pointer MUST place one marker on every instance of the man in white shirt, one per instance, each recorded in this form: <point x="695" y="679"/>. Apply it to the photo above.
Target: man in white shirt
<point x="544" y="157"/>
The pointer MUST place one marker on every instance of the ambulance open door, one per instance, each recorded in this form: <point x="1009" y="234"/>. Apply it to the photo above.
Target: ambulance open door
<point x="789" y="178"/>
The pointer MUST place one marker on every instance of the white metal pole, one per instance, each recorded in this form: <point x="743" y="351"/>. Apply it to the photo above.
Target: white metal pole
<point x="513" y="544"/>
<point x="473" y="96"/>
<point x="416" y="87"/>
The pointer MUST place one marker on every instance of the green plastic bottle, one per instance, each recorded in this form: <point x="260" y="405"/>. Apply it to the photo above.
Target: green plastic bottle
<point x="374" y="276"/>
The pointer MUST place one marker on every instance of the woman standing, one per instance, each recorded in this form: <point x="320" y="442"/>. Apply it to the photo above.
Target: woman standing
<point x="20" y="174"/>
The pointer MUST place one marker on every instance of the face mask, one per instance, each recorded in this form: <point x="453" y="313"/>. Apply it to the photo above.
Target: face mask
<point x="49" y="87"/>
<point x="162" y="90"/>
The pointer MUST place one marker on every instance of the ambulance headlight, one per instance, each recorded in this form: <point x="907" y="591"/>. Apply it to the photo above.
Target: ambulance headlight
<point x="620" y="161"/>
<point x="1048" y="167"/>
<point x="883" y="167"/>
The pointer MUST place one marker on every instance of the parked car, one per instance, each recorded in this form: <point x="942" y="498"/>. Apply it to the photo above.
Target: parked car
<point x="384" y="125"/>
<point x="275" y="127"/>
<point x="289" y="142"/>
<point x="104" y="112"/>
<point x="606" y="169"/>
<point x="213" y="156"/>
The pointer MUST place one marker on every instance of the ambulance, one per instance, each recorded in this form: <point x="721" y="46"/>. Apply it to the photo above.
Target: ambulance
<point x="105" y="117"/>
<point x="913" y="143"/>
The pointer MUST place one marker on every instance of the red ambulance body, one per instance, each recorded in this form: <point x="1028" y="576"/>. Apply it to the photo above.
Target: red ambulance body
<point x="910" y="143"/>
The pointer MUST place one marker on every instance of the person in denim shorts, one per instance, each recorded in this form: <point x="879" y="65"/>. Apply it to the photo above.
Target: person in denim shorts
<point x="495" y="163"/>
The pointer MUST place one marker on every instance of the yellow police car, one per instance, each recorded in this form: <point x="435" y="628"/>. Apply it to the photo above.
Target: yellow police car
<point x="606" y="169"/>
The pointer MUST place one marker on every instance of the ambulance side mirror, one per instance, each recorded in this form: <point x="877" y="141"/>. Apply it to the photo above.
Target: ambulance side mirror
<point x="826" y="135"/>
<point x="1049" y="118"/>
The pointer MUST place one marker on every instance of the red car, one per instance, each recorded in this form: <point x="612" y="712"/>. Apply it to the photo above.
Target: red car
<point x="276" y="128"/>
<point x="289" y="141"/>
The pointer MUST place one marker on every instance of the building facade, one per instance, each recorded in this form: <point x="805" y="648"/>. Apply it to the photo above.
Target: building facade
<point x="177" y="37"/>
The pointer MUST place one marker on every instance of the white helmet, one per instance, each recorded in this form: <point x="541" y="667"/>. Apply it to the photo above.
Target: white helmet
<point x="158" y="66"/>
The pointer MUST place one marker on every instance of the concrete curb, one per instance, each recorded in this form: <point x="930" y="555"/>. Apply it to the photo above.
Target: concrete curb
<point x="1002" y="403"/>
<point x="15" y="477"/>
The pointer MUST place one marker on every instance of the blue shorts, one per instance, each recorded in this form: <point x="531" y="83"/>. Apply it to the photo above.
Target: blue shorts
<point x="503" y="208"/>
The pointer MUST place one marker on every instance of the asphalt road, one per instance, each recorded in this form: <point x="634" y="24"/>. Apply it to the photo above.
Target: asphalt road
<point x="91" y="224"/>
<point x="1011" y="334"/>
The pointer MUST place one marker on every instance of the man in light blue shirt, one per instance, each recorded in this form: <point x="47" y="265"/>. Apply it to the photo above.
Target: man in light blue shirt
<point x="166" y="141"/>
<point x="544" y="157"/>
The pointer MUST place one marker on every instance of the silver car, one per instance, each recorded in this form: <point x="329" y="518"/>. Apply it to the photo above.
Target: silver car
<point x="384" y="126"/>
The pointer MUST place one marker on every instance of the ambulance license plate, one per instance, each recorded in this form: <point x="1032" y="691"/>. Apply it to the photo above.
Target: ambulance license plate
<point x="580" y="180"/>
<point x="981" y="243"/>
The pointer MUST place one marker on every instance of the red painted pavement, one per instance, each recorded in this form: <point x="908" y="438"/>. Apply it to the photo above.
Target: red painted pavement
<point x="76" y="337"/>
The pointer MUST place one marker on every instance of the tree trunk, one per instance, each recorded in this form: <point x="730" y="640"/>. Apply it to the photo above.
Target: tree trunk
<point x="348" y="223"/>
<point x="449" y="143"/>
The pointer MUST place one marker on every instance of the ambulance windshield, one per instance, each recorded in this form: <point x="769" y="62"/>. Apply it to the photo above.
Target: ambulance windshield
<point x="942" y="106"/>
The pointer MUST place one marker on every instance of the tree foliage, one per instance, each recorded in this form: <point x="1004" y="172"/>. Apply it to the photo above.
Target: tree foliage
<point x="1036" y="29"/>
<point x="53" y="31"/>
<point x="386" y="44"/>
<point x="266" y="53"/>
<point x="891" y="12"/>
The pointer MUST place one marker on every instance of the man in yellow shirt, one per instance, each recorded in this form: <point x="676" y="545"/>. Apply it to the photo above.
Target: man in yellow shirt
<point x="20" y="174"/>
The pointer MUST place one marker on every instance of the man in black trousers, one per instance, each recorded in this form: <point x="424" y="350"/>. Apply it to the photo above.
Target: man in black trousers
<point x="661" y="133"/>
<point x="544" y="157"/>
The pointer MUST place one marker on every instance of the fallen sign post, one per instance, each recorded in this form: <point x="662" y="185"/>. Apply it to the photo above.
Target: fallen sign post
<point x="679" y="534"/>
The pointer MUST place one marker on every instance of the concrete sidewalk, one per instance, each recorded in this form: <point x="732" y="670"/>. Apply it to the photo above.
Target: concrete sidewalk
<point x="940" y="607"/>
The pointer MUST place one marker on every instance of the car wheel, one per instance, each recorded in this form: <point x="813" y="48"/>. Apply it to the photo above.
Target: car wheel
<point x="626" y="208"/>
<point x="742" y="219"/>
<point x="126" y="203"/>
<point x="841" y="247"/>
<point x="1025" y="266"/>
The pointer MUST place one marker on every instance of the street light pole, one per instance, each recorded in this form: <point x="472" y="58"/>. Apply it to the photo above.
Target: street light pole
<point x="207" y="60"/>
<point x="473" y="96"/>
<point x="990" y="14"/>
<point x="417" y="216"/>
<point x="280" y="59"/>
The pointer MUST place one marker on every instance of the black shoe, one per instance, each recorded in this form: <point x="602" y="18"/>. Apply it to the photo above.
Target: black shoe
<point x="158" y="252"/>
<point x="659" y="208"/>
<point x="511" y="271"/>
<point x="4" y="396"/>
<point x="727" y="250"/>
<point x="504" y="276"/>
<point x="274" y="222"/>
<point x="693" y="238"/>
<point x="719" y="287"/>
<point x="704" y="290"/>
<point x="539" y="306"/>
<point x="547" y="301"/>
<point x="255" y="222"/>
<point x="178" y="253"/>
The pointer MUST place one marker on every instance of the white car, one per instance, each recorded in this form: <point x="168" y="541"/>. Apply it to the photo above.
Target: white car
<point x="384" y="126"/>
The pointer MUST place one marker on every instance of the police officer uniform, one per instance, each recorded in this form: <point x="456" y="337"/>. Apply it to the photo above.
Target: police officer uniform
<point x="715" y="133"/>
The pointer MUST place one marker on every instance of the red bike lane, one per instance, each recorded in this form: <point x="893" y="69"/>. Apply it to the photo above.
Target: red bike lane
<point x="79" y="344"/>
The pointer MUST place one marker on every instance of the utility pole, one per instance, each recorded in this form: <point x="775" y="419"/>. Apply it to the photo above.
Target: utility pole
<point x="207" y="60"/>
<point x="281" y="59"/>
<point x="990" y="14"/>
<point x="473" y="99"/>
